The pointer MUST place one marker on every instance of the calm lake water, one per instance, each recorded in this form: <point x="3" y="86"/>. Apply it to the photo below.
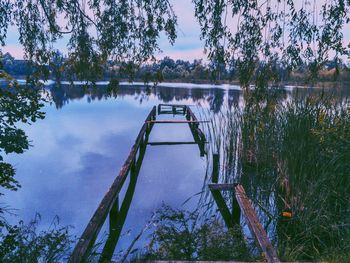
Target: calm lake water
<point x="83" y="141"/>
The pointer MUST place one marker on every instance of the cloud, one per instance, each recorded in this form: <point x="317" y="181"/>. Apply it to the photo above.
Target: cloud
<point x="15" y="50"/>
<point x="189" y="54"/>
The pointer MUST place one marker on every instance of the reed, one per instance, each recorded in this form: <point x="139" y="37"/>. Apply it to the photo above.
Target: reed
<point x="292" y="155"/>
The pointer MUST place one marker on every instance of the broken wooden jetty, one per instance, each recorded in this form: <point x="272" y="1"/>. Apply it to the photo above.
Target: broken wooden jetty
<point x="109" y="205"/>
<point x="110" y="202"/>
<point x="240" y="205"/>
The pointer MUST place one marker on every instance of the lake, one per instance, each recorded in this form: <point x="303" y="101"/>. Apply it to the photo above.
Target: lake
<point x="80" y="146"/>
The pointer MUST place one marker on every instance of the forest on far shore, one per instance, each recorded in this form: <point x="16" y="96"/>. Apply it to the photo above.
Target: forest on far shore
<point x="170" y="70"/>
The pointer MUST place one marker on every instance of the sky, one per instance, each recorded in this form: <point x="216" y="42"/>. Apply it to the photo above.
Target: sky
<point x="188" y="45"/>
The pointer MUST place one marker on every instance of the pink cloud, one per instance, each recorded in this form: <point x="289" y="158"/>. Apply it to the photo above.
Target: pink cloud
<point x="189" y="54"/>
<point x="15" y="50"/>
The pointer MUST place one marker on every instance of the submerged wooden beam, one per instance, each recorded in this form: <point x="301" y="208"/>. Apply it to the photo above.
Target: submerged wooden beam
<point x="254" y="225"/>
<point x="197" y="133"/>
<point x="93" y="228"/>
<point x="224" y="210"/>
<point x="117" y="220"/>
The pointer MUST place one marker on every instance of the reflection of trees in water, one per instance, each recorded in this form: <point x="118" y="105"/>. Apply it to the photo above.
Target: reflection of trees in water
<point x="216" y="99"/>
<point x="213" y="96"/>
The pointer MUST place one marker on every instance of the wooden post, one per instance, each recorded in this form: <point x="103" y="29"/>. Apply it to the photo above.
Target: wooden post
<point x="255" y="226"/>
<point x="236" y="210"/>
<point x="216" y="168"/>
<point x="224" y="211"/>
<point x="113" y="215"/>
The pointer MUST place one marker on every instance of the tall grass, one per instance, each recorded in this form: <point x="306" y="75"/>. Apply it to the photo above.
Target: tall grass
<point x="291" y="155"/>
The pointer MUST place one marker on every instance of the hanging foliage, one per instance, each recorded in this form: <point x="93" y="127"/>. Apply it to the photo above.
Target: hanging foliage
<point x="98" y="30"/>
<point x="258" y="37"/>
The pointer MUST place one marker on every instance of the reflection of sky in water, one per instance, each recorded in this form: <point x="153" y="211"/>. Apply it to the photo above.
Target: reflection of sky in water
<point x="79" y="149"/>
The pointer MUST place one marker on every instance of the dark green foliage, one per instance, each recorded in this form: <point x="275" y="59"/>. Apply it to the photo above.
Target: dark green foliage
<point x="5" y="17"/>
<point x="18" y="104"/>
<point x="182" y="235"/>
<point x="98" y="30"/>
<point x="283" y="34"/>
<point x="25" y="243"/>
<point x="244" y="35"/>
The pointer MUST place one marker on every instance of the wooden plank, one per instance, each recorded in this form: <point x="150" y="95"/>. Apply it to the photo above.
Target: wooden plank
<point x="222" y="187"/>
<point x="174" y="121"/>
<point x="198" y="136"/>
<point x="184" y="261"/>
<point x="93" y="228"/>
<point x="255" y="226"/>
<point x="168" y="112"/>
<point x="224" y="210"/>
<point x="118" y="220"/>
<point x="169" y="143"/>
<point x="190" y="112"/>
<point x="172" y="105"/>
<point x="216" y="168"/>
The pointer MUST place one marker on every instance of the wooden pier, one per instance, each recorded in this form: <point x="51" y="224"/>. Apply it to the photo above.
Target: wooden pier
<point x="109" y="205"/>
<point x="241" y="205"/>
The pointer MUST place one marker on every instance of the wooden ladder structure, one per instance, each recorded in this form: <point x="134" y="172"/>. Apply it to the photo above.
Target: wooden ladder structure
<point x="241" y="204"/>
<point x="109" y="205"/>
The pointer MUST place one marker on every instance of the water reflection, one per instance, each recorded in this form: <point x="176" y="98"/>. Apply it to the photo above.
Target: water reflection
<point x="214" y="97"/>
<point x="79" y="148"/>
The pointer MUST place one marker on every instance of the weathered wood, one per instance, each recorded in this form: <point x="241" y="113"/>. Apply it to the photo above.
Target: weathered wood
<point x="93" y="228"/>
<point x="197" y="133"/>
<point x="169" y="143"/>
<point x="254" y="225"/>
<point x="119" y="220"/>
<point x="174" y="121"/>
<point x="191" y="114"/>
<point x="184" y="261"/>
<point x="171" y="112"/>
<point x="224" y="211"/>
<point x="171" y="108"/>
<point x="216" y="168"/>
<point x="172" y="105"/>
<point x="113" y="214"/>
<point x="200" y="140"/>
<point x="222" y="187"/>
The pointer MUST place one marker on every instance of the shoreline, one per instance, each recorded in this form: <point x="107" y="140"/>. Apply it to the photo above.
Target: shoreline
<point x="234" y="85"/>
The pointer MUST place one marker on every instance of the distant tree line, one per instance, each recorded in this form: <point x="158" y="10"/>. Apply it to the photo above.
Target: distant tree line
<point x="168" y="69"/>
